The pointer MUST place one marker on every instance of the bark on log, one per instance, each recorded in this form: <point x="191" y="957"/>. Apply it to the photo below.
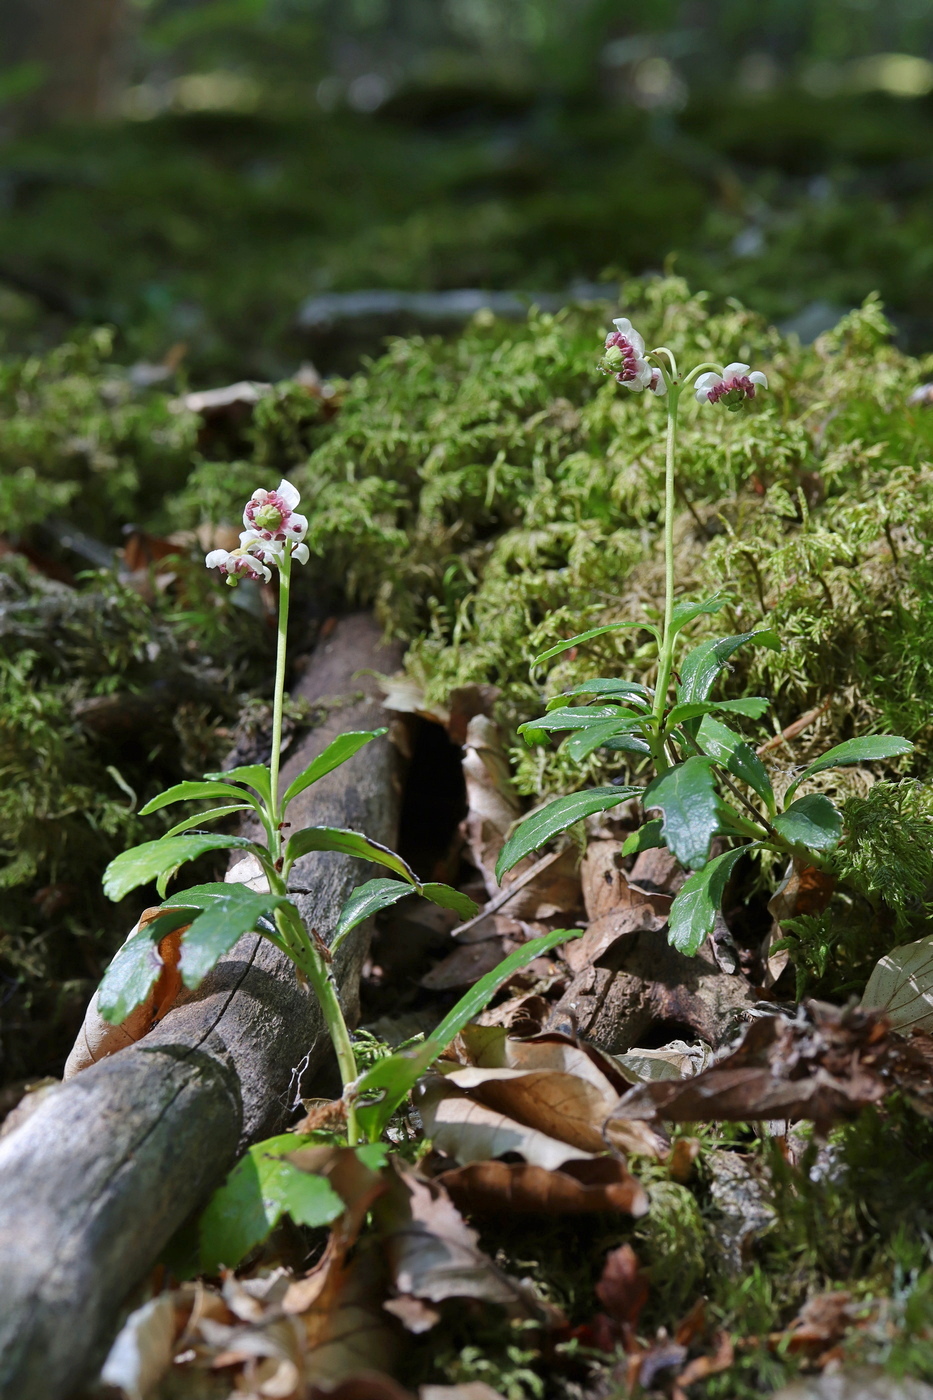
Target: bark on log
<point x="103" y="1172"/>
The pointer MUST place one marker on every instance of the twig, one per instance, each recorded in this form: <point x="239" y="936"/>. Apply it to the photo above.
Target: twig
<point x="505" y="895"/>
<point x="792" y="730"/>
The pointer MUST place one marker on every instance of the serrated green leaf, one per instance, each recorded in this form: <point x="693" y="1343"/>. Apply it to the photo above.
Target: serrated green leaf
<point x="255" y="775"/>
<point x="694" y="910"/>
<point x="536" y="830"/>
<point x="339" y="751"/>
<point x="576" y="717"/>
<point x="731" y="750"/>
<point x="154" y="859"/>
<point x="812" y="821"/>
<point x="646" y="838"/>
<point x="702" y="665"/>
<point x="605" y="688"/>
<point x="227" y="912"/>
<point x="687" y="796"/>
<point x="445" y="897"/>
<point x="588" y="636"/>
<point x="365" y="901"/>
<point x="196" y="792"/>
<point x="596" y="736"/>
<point x="212" y="814"/>
<point x="261" y="1189"/>
<point x="135" y="968"/>
<point x="872" y="749"/>
<point x="393" y="1077"/>
<point x="348" y="843"/>
<point x="685" y="612"/>
<point x="752" y="706"/>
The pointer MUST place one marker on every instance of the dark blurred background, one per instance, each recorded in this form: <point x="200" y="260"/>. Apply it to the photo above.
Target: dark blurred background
<point x="201" y="173"/>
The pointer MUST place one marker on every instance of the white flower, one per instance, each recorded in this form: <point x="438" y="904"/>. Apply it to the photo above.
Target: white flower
<point x="271" y="551"/>
<point x="236" y="564"/>
<point x="732" y="387"/>
<point x="624" y="358"/>
<point x="272" y="515"/>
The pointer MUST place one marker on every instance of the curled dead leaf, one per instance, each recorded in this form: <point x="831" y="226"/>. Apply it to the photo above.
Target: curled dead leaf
<point x="97" y="1038"/>
<point x="597" y="1184"/>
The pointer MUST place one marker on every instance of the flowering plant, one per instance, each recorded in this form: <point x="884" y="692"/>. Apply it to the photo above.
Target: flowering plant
<point x="705" y="779"/>
<point x="218" y="914"/>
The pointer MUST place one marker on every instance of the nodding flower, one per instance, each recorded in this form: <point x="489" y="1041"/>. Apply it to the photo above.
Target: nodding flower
<point x="272" y="515"/>
<point x="624" y="359"/>
<point x="732" y="388"/>
<point x="236" y="564"/>
<point x="272" y="551"/>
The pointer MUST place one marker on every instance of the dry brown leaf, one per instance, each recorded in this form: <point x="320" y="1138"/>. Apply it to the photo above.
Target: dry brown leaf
<point x="604" y="943"/>
<point x="97" y="1038"/>
<point x="623" y="1287"/>
<point x="431" y="1251"/>
<point x="365" y="1385"/>
<point x="901" y="986"/>
<point x="467" y="964"/>
<point x="602" y="878"/>
<point x="825" y="1065"/>
<point x="597" y="1184"/>
<point x="468" y="1131"/>
<point x="142" y="1351"/>
<point x="702" y="1366"/>
<point x="492" y="802"/>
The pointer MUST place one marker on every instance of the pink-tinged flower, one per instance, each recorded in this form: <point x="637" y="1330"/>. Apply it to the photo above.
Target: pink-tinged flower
<point x="236" y="564"/>
<point x="730" y="388"/>
<point x="272" y="515"/>
<point x="271" y="551"/>
<point x="624" y="358"/>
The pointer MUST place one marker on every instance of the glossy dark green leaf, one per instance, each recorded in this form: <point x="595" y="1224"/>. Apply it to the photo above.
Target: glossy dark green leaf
<point x="588" y="636"/>
<point x="576" y="717"/>
<point x="596" y="736"/>
<point x="646" y="838"/>
<point x="535" y="831"/>
<point x="448" y="898"/>
<point x="694" y="910"/>
<point x="255" y="775"/>
<point x="685" y="612"/>
<point x="702" y="665"/>
<point x="261" y="1189"/>
<point x="348" y="843"/>
<point x="752" y="706"/>
<point x="135" y="967"/>
<point x="227" y="912"/>
<point x="871" y="749"/>
<point x="211" y="815"/>
<point x="367" y="900"/>
<point x="336" y="753"/>
<point x="605" y="688"/>
<point x="811" y="821"/>
<point x="196" y="792"/>
<point x="731" y="750"/>
<point x="155" y="859"/>
<point x="687" y="796"/>
<point x="392" y="1078"/>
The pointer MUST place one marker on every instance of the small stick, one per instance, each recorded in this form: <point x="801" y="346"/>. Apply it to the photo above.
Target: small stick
<point x="505" y="895"/>
<point x="792" y="730"/>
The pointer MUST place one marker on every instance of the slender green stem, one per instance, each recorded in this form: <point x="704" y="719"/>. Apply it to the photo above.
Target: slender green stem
<point x="285" y="571"/>
<point x="701" y="369"/>
<point x="666" y="657"/>
<point x="343" y="1047"/>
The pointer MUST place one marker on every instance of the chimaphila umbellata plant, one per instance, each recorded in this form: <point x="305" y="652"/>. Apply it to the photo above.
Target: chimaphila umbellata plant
<point x="704" y="778"/>
<point x="218" y="914"/>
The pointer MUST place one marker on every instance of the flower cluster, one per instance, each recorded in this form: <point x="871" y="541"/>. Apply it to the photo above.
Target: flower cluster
<point x="624" y="357"/>
<point x="730" y="388"/>
<point x="272" y="526"/>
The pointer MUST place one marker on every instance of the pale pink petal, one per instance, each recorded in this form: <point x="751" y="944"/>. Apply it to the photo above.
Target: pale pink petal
<point x="757" y="377"/>
<point x="734" y="371"/>
<point x="217" y="558"/>
<point x="300" y="554"/>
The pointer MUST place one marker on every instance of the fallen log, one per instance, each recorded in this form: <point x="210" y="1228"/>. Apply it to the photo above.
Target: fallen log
<point x="104" y="1170"/>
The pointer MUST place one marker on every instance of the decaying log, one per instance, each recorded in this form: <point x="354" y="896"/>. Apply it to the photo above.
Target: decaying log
<point x="96" y="1180"/>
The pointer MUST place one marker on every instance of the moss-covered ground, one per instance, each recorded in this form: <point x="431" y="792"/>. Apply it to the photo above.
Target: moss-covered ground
<point x="490" y="495"/>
